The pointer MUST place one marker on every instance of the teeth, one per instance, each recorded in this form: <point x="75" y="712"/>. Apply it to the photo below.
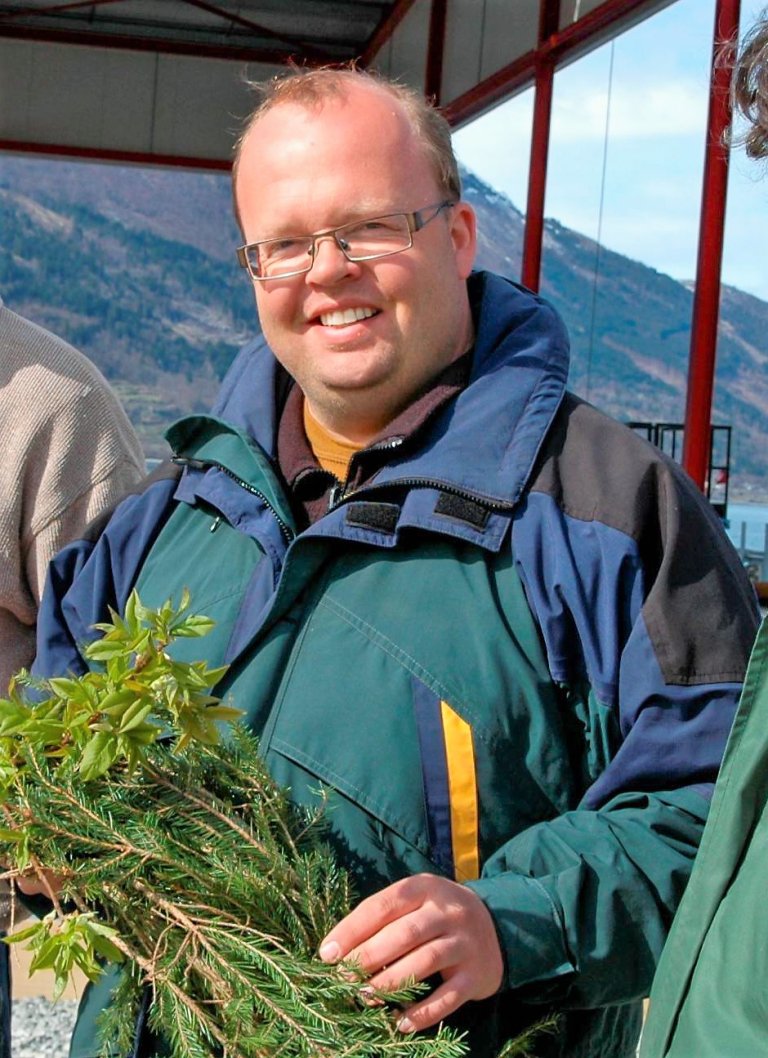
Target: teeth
<point x="338" y="318"/>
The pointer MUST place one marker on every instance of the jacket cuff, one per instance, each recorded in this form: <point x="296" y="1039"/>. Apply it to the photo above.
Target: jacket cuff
<point x="528" y="927"/>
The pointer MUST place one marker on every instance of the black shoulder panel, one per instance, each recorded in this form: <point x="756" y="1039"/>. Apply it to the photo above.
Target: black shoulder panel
<point x="596" y="469"/>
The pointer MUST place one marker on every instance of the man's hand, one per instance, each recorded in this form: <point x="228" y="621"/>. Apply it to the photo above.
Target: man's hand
<point x="417" y="927"/>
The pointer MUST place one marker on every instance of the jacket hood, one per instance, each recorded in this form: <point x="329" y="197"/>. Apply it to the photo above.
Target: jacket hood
<point x="518" y="380"/>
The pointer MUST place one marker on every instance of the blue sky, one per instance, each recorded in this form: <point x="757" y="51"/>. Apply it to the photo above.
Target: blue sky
<point x="650" y="89"/>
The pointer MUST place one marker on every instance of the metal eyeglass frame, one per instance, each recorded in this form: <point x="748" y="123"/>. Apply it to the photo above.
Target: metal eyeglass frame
<point x="415" y="221"/>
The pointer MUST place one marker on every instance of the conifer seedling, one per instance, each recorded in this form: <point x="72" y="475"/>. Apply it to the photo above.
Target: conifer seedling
<point x="180" y="860"/>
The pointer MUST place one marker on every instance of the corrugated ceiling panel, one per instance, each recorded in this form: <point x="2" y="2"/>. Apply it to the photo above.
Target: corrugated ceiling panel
<point x="120" y="101"/>
<point x="482" y="36"/>
<point x="404" y="54"/>
<point x="571" y="10"/>
<point x="188" y="121"/>
<point x="61" y="99"/>
<point x="509" y="31"/>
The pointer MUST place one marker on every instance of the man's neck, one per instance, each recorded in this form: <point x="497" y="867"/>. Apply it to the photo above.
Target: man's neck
<point x="333" y="452"/>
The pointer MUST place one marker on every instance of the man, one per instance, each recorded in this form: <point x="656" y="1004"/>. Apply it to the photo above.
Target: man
<point x="708" y="998"/>
<point x="69" y="454"/>
<point x="504" y="633"/>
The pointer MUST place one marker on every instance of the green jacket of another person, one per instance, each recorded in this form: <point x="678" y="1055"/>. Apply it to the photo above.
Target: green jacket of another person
<point x="709" y="997"/>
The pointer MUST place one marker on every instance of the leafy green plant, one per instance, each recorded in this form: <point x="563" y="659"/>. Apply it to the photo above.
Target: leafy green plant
<point x="168" y="849"/>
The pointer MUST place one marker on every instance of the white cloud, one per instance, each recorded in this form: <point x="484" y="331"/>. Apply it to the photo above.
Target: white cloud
<point x="674" y="109"/>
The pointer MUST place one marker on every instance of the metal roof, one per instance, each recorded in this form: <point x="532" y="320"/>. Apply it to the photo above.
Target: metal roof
<point x="165" y="80"/>
<point x="263" y="31"/>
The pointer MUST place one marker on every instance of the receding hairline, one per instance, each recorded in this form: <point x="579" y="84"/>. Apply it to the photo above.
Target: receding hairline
<point x="314" y="89"/>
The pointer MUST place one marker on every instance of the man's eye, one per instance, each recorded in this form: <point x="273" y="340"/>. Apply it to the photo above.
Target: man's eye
<point x="286" y="245"/>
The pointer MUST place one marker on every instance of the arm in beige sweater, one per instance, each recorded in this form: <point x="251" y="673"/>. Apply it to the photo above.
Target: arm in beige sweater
<point x="68" y="454"/>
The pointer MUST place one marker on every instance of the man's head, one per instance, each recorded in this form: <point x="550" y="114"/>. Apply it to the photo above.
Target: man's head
<point x="750" y="88"/>
<point x="362" y="337"/>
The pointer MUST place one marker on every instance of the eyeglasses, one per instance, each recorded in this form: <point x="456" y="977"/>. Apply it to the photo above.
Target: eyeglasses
<point x="362" y="240"/>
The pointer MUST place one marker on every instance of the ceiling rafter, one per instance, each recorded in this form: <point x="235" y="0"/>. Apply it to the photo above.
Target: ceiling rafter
<point x="309" y="50"/>
<point x="32" y="29"/>
<point x="54" y="9"/>
<point x="156" y="45"/>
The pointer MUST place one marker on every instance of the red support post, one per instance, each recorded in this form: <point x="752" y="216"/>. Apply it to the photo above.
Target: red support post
<point x="706" y="301"/>
<point x="433" y="74"/>
<point x="549" y="17"/>
<point x="537" y="175"/>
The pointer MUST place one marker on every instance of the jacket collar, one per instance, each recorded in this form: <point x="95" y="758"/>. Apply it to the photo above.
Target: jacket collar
<point x="517" y="382"/>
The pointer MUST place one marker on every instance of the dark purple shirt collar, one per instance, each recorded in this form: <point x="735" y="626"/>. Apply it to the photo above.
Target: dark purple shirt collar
<point x="310" y="485"/>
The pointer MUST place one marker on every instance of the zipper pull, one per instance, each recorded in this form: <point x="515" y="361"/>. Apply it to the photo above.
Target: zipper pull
<point x="188" y="461"/>
<point x="336" y="494"/>
<point x="215" y="524"/>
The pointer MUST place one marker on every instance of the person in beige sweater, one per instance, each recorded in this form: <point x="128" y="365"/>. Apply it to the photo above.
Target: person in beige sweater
<point x="67" y="455"/>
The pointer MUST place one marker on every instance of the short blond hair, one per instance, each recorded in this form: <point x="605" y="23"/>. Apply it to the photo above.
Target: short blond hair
<point x="311" y="88"/>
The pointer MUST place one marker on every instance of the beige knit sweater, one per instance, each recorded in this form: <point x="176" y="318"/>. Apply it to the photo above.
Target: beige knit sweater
<point x="67" y="454"/>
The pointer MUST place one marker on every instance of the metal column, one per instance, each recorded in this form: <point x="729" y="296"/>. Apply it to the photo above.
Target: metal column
<point x="706" y="302"/>
<point x="433" y="79"/>
<point x="549" y="20"/>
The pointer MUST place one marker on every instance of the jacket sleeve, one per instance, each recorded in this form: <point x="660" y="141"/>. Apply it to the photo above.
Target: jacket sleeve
<point x="647" y="619"/>
<point x="98" y="572"/>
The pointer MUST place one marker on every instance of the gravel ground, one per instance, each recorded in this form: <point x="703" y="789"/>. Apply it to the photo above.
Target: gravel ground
<point x="41" y="1029"/>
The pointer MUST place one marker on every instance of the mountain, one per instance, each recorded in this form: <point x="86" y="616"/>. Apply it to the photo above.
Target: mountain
<point x="137" y="270"/>
<point x="136" y="267"/>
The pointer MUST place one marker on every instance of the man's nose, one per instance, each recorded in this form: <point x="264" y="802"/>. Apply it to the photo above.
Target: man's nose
<point x="329" y="263"/>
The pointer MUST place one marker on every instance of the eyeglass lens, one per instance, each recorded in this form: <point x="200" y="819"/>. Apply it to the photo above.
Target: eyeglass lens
<point x="375" y="237"/>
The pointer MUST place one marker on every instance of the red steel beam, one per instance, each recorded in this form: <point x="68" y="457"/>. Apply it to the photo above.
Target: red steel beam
<point x="54" y="9"/>
<point x="706" y="302"/>
<point x="549" y="21"/>
<point x="134" y="41"/>
<point x="100" y="154"/>
<point x="433" y="74"/>
<point x="156" y="45"/>
<point x="561" y="45"/>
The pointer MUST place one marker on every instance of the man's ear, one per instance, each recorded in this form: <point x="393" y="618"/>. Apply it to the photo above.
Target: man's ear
<point x="464" y="236"/>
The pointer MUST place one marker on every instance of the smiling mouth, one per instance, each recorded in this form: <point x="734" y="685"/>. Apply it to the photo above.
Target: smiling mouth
<point x="342" y="317"/>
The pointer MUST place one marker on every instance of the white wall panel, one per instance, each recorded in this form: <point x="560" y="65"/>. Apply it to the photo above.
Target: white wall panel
<point x="404" y="54"/>
<point x="197" y="114"/>
<point x="73" y="95"/>
<point x="482" y="36"/>
<point x="107" y="99"/>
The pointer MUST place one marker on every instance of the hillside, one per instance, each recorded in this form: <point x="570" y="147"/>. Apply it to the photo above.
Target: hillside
<point x="136" y="268"/>
<point x="162" y="316"/>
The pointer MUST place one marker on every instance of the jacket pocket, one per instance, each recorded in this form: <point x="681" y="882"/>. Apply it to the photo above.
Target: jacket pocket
<point x="385" y="744"/>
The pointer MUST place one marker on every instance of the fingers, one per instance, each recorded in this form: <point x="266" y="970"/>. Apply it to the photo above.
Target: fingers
<point x="370" y="917"/>
<point x="416" y="929"/>
<point x="443" y="1002"/>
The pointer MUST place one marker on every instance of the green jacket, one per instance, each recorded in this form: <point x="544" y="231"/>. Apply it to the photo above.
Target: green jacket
<point x="710" y="996"/>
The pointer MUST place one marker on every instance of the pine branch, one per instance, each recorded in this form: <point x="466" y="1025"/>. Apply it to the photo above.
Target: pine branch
<point x="182" y="859"/>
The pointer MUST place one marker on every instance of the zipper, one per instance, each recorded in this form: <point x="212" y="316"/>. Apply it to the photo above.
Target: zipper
<point x="430" y="483"/>
<point x="339" y="494"/>
<point x="339" y="491"/>
<point x="199" y="464"/>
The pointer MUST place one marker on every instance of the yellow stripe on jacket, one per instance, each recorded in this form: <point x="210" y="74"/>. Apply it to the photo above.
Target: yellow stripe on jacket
<point x="460" y="754"/>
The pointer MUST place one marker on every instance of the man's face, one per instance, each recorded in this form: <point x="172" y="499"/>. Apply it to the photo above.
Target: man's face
<point x="305" y="170"/>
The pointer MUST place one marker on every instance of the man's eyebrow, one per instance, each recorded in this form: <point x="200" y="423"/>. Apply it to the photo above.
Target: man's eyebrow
<point x="352" y="216"/>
